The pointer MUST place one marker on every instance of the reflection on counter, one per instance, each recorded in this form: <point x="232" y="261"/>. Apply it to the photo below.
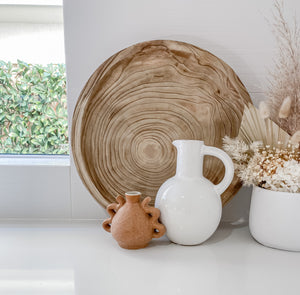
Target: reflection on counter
<point x="37" y="282"/>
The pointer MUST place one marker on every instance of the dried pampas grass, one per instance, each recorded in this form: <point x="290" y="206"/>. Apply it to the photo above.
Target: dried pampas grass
<point x="284" y="89"/>
<point x="266" y="152"/>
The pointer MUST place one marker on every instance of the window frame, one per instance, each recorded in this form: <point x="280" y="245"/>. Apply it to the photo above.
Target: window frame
<point x="59" y="194"/>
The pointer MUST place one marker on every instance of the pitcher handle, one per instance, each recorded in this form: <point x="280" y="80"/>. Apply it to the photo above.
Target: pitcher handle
<point x="229" y="168"/>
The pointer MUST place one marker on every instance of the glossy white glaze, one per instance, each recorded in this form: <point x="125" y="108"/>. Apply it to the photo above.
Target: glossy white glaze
<point x="274" y="219"/>
<point x="190" y="204"/>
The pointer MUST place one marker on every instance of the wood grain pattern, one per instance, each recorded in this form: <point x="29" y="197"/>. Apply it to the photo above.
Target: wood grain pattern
<point x="140" y="100"/>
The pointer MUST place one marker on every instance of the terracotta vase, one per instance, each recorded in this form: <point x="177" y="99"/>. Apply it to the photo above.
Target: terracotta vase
<point x="132" y="223"/>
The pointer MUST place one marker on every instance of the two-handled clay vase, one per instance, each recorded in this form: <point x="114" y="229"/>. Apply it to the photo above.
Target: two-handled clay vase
<point x="133" y="223"/>
<point x="190" y="204"/>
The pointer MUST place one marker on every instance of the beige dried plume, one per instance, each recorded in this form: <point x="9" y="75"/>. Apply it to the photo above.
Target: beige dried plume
<point x="284" y="89"/>
<point x="295" y="139"/>
<point x="285" y="108"/>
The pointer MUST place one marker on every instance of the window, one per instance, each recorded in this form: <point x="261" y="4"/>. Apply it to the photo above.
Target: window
<point x="33" y="109"/>
<point x="32" y="186"/>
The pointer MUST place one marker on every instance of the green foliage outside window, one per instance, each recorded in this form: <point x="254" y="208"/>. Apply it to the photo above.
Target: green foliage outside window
<point x="33" y="109"/>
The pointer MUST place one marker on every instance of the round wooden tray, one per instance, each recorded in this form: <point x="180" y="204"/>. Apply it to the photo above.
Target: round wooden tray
<point x="140" y="100"/>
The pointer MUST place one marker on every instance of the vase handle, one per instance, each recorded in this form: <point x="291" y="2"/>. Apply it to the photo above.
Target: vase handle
<point x="112" y="209"/>
<point x="229" y="168"/>
<point x="154" y="214"/>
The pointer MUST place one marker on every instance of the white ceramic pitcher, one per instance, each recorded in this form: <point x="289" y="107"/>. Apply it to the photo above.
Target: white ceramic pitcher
<point x="190" y="204"/>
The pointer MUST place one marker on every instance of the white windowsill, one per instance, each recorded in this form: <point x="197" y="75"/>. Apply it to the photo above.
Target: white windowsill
<point x="34" y="160"/>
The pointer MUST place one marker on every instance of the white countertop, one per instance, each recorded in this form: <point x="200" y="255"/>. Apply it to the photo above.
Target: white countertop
<point x="65" y="258"/>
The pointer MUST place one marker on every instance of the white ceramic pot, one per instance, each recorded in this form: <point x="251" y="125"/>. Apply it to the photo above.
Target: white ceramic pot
<point x="274" y="219"/>
<point x="190" y="204"/>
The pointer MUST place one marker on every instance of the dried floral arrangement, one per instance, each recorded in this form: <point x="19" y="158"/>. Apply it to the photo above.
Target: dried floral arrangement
<point x="263" y="154"/>
<point x="266" y="152"/>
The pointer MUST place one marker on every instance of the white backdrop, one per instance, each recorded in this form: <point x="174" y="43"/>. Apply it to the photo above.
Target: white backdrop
<point x="234" y="30"/>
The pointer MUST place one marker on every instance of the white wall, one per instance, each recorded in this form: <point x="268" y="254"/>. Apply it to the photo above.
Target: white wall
<point x="234" y="30"/>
